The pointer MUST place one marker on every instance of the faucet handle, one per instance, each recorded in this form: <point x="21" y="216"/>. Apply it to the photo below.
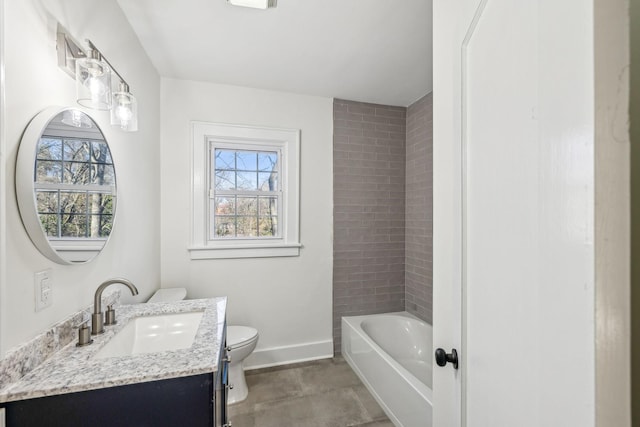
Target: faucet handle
<point x="84" y="334"/>
<point x="110" y="316"/>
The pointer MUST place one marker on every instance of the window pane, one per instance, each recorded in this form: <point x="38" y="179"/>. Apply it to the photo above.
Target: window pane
<point x="247" y="226"/>
<point x="247" y="206"/>
<point x="100" y="226"/>
<point x="246" y="160"/>
<point x="74" y="225"/>
<point x="73" y="203"/>
<point x="94" y="226"/>
<point x="268" y="206"/>
<point x="47" y="201"/>
<point x="109" y="202"/>
<point x="247" y="181"/>
<point x="102" y="174"/>
<point x="49" y="149"/>
<point x="225" y="206"/>
<point x="49" y="224"/>
<point x="48" y="172"/>
<point x="100" y="204"/>
<point x="267" y="181"/>
<point x="225" y="159"/>
<point x="76" y="173"/>
<point x="100" y="153"/>
<point x="77" y="151"/>
<point x="106" y="225"/>
<point x="235" y="175"/>
<point x="225" y="226"/>
<point x="225" y="180"/>
<point x="268" y="226"/>
<point x="267" y="161"/>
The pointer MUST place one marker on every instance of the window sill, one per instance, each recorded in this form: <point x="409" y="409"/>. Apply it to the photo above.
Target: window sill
<point x="245" y="251"/>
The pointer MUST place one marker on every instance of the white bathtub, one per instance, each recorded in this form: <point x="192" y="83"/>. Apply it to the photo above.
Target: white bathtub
<point x="392" y="354"/>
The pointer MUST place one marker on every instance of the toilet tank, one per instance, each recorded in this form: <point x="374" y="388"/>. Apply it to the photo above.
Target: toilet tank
<point x="168" y="295"/>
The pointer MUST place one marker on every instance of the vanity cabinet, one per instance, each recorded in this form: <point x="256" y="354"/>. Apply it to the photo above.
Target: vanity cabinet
<point x="186" y="401"/>
<point x="221" y="385"/>
<point x="193" y="401"/>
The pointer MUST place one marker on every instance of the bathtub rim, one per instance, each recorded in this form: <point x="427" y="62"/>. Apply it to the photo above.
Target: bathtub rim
<point x="355" y="323"/>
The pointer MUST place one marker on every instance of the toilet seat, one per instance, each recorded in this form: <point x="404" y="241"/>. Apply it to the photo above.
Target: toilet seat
<point x="240" y="336"/>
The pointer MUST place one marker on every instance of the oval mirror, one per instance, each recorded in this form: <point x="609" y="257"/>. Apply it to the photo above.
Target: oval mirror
<point x="66" y="185"/>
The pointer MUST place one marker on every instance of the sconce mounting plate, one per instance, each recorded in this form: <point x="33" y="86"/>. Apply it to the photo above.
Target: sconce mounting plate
<point x="69" y="51"/>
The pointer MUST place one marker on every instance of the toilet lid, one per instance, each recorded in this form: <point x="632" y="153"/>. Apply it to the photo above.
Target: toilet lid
<point x="240" y="334"/>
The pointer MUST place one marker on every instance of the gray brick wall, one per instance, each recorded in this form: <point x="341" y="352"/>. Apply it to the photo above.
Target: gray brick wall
<point x="419" y="210"/>
<point x="369" y="210"/>
<point x="383" y="210"/>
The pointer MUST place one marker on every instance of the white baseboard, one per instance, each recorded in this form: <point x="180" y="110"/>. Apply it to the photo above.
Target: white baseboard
<point x="275" y="356"/>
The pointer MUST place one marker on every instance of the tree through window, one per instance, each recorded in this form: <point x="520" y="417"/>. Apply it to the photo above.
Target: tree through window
<point x="246" y="193"/>
<point x="74" y="182"/>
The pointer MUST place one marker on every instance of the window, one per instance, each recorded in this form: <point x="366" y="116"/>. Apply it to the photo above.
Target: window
<point x="245" y="191"/>
<point x="74" y="188"/>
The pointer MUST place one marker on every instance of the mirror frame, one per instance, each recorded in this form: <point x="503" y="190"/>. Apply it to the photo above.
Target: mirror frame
<point x="25" y="187"/>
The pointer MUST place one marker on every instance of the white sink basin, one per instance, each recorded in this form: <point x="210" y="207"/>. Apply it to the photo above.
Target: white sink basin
<point x="150" y="334"/>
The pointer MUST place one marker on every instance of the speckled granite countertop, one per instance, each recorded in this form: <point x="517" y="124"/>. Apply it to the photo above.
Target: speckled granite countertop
<point x="74" y="369"/>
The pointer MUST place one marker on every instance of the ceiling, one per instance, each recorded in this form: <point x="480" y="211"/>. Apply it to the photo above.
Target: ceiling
<point x="375" y="51"/>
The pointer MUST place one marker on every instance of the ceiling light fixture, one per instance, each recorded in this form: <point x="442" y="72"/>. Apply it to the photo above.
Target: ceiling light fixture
<point x="93" y="75"/>
<point x="257" y="4"/>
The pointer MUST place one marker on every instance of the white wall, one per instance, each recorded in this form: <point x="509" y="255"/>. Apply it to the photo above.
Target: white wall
<point x="33" y="82"/>
<point x="287" y="299"/>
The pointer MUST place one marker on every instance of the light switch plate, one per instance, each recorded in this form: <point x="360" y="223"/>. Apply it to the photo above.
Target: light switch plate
<point x="43" y="290"/>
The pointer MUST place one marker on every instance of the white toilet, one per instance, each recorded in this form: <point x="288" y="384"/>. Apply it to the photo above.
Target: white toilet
<point x="241" y="341"/>
<point x="168" y="294"/>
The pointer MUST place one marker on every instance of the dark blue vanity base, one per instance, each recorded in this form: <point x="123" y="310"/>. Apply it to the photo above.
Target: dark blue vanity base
<point x="184" y="401"/>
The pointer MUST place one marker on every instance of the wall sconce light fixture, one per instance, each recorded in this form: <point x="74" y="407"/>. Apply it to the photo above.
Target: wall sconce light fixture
<point x="93" y="81"/>
<point x="124" y="111"/>
<point x="93" y="74"/>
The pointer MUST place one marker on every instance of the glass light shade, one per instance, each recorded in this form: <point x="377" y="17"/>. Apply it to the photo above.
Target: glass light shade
<point x="93" y="83"/>
<point x="76" y="118"/>
<point x="124" y="111"/>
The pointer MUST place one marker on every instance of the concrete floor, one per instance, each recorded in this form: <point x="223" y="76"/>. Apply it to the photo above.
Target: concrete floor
<point x="324" y="393"/>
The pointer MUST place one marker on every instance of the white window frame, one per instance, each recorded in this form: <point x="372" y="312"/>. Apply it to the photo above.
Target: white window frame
<point x="241" y="137"/>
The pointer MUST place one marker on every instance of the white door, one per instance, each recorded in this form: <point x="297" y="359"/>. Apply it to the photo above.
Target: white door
<point x="513" y="212"/>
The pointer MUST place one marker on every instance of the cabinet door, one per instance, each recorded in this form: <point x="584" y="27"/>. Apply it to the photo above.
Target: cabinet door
<point x="185" y="401"/>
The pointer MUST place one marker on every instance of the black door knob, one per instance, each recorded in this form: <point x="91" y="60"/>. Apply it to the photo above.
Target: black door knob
<point x="442" y="357"/>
